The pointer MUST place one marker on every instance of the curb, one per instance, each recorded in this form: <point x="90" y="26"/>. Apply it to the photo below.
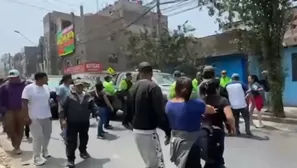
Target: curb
<point x="277" y="120"/>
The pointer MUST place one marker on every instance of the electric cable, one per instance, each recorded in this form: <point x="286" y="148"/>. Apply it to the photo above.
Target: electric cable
<point x="29" y="5"/>
<point x="183" y="11"/>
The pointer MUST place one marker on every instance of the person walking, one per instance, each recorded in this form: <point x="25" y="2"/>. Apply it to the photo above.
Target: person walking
<point x="104" y="105"/>
<point x="255" y="99"/>
<point x="11" y="105"/>
<point x="237" y="98"/>
<point x="216" y="141"/>
<point x="62" y="92"/>
<point x="110" y="91"/>
<point x="148" y="113"/>
<point x="36" y="103"/>
<point x="267" y="94"/>
<point x="184" y="116"/>
<point x="75" y="116"/>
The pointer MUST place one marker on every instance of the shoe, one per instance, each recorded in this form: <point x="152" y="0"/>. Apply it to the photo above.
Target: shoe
<point x="249" y="133"/>
<point x="70" y="164"/>
<point x="17" y="151"/>
<point x="100" y="137"/>
<point x="46" y="155"/>
<point x="108" y="127"/>
<point x="238" y="133"/>
<point x="85" y="155"/>
<point x="38" y="161"/>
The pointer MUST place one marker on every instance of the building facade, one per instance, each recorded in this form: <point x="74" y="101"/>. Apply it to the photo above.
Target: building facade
<point x="99" y="37"/>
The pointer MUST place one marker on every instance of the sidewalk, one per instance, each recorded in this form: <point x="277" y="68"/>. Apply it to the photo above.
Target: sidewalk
<point x="290" y="112"/>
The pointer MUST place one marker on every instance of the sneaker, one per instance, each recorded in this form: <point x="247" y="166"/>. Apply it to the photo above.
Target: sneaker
<point x="17" y="151"/>
<point x="38" y="161"/>
<point x="108" y="127"/>
<point x="100" y="137"/>
<point x="70" y="164"/>
<point x="85" y="155"/>
<point x="46" y="155"/>
<point x="249" y="133"/>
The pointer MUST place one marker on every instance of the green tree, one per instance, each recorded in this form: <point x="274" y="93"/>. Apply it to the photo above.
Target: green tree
<point x="265" y="22"/>
<point x="176" y="49"/>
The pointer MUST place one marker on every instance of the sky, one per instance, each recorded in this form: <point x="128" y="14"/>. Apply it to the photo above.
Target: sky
<point x="20" y="15"/>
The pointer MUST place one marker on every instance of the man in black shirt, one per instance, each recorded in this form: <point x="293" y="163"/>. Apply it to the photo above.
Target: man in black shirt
<point x="148" y="111"/>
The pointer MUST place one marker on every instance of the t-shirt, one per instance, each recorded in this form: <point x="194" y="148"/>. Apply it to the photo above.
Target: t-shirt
<point x="219" y="103"/>
<point x="185" y="116"/>
<point x="38" y="97"/>
<point x="236" y="94"/>
<point x="147" y="106"/>
<point x="254" y="89"/>
<point x="99" y="99"/>
<point x="62" y="92"/>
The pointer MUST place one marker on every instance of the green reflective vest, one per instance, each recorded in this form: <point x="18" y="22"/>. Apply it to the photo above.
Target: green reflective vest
<point x="224" y="81"/>
<point x="109" y="88"/>
<point x="171" y="95"/>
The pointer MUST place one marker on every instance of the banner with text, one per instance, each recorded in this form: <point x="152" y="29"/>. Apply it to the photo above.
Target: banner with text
<point x="65" y="41"/>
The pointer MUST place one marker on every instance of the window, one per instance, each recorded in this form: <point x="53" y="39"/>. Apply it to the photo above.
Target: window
<point x="77" y="61"/>
<point x="294" y="66"/>
<point x="113" y="58"/>
<point x="67" y="63"/>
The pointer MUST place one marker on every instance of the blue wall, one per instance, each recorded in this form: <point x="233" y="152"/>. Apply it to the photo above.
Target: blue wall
<point x="290" y="90"/>
<point x="230" y="63"/>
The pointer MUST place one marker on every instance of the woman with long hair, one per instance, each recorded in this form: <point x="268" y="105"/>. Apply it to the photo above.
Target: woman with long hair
<point x="216" y="122"/>
<point x="104" y="106"/>
<point x="184" y="116"/>
<point x="256" y="100"/>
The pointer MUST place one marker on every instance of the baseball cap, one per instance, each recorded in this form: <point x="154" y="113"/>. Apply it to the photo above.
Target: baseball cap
<point x="145" y="67"/>
<point x="78" y="82"/>
<point x="235" y="75"/>
<point x="177" y="73"/>
<point x="13" y="73"/>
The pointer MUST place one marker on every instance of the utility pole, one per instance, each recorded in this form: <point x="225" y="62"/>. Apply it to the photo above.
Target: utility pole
<point x="158" y="19"/>
<point x="97" y="5"/>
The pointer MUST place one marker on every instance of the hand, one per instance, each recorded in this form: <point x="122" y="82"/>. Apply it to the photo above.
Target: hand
<point x="112" y="109"/>
<point x="210" y="109"/>
<point x="64" y="124"/>
<point x="167" y="140"/>
<point x="232" y="130"/>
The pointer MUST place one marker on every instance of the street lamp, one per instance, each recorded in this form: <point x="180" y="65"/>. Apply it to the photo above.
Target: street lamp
<point x="18" y="32"/>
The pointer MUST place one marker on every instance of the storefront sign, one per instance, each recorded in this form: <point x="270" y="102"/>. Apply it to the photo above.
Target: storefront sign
<point x="89" y="67"/>
<point x="65" y="41"/>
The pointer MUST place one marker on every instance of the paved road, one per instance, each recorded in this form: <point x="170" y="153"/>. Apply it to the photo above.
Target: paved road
<point x="270" y="148"/>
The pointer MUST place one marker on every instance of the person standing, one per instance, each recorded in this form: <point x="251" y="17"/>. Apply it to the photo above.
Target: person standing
<point x="75" y="116"/>
<point x="110" y="91"/>
<point x="11" y="105"/>
<point x="197" y="80"/>
<point x="237" y="98"/>
<point x="62" y="92"/>
<point x="36" y="103"/>
<point x="124" y="88"/>
<point x="224" y="80"/>
<point x="148" y="113"/>
<point x="266" y="88"/>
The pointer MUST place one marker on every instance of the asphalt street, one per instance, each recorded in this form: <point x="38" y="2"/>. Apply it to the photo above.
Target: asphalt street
<point x="270" y="148"/>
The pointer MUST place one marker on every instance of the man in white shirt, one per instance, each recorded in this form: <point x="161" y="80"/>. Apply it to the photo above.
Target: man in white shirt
<point x="36" y="104"/>
<point x="237" y="98"/>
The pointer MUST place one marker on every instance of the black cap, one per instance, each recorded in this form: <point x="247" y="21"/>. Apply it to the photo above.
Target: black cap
<point x="128" y="74"/>
<point x="208" y="72"/>
<point x="177" y="73"/>
<point x="145" y="67"/>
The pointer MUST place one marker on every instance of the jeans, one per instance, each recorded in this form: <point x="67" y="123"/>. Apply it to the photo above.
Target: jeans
<point x="246" y="116"/>
<point x="102" y="113"/>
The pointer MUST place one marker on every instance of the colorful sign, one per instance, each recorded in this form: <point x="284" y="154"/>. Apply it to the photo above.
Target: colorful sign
<point x="89" y="67"/>
<point x="65" y="41"/>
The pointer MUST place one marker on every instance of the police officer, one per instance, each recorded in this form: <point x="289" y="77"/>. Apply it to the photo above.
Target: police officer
<point x="171" y="94"/>
<point x="197" y="80"/>
<point x="124" y="87"/>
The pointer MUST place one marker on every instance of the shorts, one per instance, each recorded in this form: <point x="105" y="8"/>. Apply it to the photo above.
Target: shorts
<point x="259" y="103"/>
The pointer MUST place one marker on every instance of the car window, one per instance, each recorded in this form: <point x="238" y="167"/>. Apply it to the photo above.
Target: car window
<point x="163" y="79"/>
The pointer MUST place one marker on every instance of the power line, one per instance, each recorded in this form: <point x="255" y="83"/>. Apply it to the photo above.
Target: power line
<point x="183" y="11"/>
<point x="122" y="29"/>
<point x="29" y="5"/>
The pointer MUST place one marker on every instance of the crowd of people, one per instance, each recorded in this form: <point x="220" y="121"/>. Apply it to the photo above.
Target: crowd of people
<point x="194" y="118"/>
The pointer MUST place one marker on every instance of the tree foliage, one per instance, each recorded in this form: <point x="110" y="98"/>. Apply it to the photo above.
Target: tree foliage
<point x="175" y="50"/>
<point x="265" y="22"/>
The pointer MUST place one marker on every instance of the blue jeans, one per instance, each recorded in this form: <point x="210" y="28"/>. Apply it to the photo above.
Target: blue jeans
<point x="102" y="113"/>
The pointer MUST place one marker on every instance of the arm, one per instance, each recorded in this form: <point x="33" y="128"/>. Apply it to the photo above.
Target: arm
<point x="229" y="115"/>
<point x="107" y="101"/>
<point x="159" y="109"/>
<point x="63" y="109"/>
<point x="25" y="101"/>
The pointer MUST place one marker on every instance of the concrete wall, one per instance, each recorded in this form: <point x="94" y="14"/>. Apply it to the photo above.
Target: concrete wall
<point x="231" y="63"/>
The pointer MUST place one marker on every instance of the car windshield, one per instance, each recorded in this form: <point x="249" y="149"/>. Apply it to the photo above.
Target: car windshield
<point x="163" y="79"/>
